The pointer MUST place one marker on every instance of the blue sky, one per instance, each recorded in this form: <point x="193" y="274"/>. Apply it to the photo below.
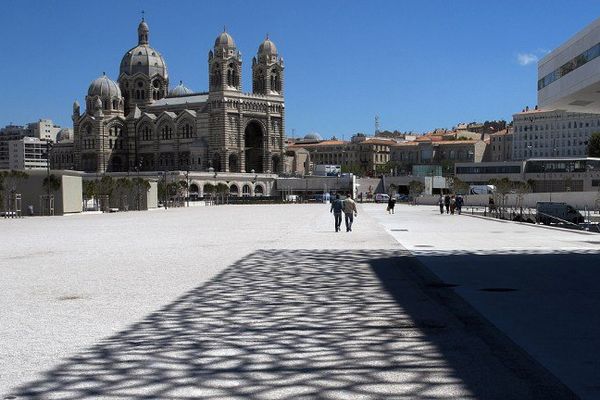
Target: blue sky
<point x="417" y="64"/>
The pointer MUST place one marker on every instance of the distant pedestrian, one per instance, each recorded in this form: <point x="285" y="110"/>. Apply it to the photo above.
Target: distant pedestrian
<point x="491" y="205"/>
<point x="349" y="212"/>
<point x="452" y="204"/>
<point x="30" y="210"/>
<point x="337" y="206"/>
<point x="441" y="203"/>
<point x="391" y="204"/>
<point x="459" y="203"/>
<point x="447" y="203"/>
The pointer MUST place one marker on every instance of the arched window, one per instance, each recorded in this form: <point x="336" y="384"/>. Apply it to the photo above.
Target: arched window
<point x="145" y="133"/>
<point x="246" y="190"/>
<point x="186" y="131"/>
<point x="275" y="81"/>
<point x="115" y="105"/>
<point x="166" y="132"/>
<point x="215" y="76"/>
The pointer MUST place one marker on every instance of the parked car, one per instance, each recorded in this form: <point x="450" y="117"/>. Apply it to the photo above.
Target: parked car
<point x="402" y="197"/>
<point x="548" y="212"/>
<point x="381" y="198"/>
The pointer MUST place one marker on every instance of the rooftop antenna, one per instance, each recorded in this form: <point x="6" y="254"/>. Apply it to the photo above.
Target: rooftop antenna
<point x="143" y="15"/>
<point x="376" y="124"/>
<point x="293" y="132"/>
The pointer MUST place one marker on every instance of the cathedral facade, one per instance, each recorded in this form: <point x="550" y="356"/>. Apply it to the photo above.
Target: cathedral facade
<point x="138" y="124"/>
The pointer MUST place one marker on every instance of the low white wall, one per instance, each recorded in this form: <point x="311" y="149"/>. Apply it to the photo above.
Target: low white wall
<point x="579" y="200"/>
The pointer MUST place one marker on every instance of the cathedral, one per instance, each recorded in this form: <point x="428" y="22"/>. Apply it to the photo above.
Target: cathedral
<point x="138" y="123"/>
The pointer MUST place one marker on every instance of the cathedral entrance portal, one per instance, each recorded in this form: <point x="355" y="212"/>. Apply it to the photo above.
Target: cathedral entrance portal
<point x="253" y="137"/>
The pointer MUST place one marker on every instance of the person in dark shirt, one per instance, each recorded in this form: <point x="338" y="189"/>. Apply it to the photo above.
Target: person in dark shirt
<point x="337" y="206"/>
<point x="459" y="204"/>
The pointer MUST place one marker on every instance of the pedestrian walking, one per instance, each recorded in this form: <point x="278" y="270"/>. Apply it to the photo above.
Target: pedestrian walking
<point x="349" y="212"/>
<point x="447" y="203"/>
<point x="391" y="204"/>
<point x="452" y="204"/>
<point x="459" y="203"/>
<point x="337" y="206"/>
<point x="441" y="203"/>
<point x="491" y="205"/>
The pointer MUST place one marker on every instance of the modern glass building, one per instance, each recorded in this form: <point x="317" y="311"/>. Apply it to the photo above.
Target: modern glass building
<point x="569" y="76"/>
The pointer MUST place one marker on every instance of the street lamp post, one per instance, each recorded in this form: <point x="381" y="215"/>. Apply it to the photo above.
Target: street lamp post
<point x="138" y="167"/>
<point x="187" y="181"/>
<point x="48" y="149"/>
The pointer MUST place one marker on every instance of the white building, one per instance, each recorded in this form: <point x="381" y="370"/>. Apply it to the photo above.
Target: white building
<point x="569" y="76"/>
<point x="26" y="153"/>
<point x="558" y="133"/>
<point x="43" y="129"/>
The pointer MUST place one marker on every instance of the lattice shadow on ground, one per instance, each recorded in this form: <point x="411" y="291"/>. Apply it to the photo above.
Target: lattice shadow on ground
<point x="295" y="324"/>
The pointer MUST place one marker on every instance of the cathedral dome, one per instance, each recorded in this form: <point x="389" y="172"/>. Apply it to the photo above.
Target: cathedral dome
<point x="104" y="87"/>
<point x="65" y="134"/>
<point x="267" y="48"/>
<point x="143" y="58"/>
<point x="313" y="136"/>
<point x="180" y="90"/>
<point x="224" y="40"/>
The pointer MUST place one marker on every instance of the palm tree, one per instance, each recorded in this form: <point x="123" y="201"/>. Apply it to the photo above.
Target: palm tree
<point x="141" y="186"/>
<point x="51" y="183"/>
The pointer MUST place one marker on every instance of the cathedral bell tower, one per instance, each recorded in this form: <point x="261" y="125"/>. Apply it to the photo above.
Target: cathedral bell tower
<point x="224" y="65"/>
<point x="267" y="70"/>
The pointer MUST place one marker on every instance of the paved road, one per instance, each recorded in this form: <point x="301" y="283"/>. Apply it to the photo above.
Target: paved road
<point x="542" y="283"/>
<point x="239" y="302"/>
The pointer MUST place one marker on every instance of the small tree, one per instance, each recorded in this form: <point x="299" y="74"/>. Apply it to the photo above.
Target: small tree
<point x="209" y="188"/>
<point x="122" y="188"/>
<point x="90" y="190"/>
<point x="415" y="188"/>
<point x="106" y="186"/>
<point x="141" y="186"/>
<point x="222" y="190"/>
<point x="182" y="189"/>
<point x="521" y="189"/>
<point x="503" y="187"/>
<point x="10" y="180"/>
<point x="594" y="145"/>
<point x="458" y="186"/>
<point x="352" y="169"/>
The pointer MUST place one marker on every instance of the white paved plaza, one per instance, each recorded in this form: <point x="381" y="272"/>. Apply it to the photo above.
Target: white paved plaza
<point x="269" y="302"/>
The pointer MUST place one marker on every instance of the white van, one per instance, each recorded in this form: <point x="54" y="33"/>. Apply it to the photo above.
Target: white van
<point x="381" y="198"/>
<point x="482" y="189"/>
